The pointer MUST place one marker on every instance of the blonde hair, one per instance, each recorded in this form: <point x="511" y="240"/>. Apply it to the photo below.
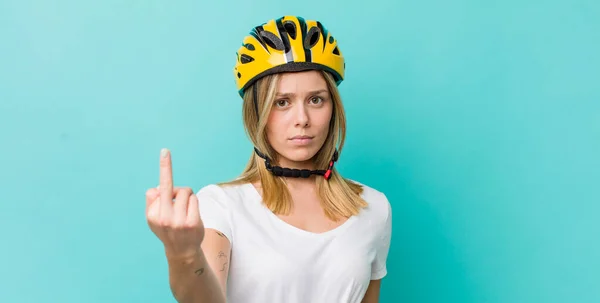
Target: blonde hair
<point x="340" y="197"/>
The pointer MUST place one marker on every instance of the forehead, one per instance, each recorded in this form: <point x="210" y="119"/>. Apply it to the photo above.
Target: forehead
<point x="299" y="82"/>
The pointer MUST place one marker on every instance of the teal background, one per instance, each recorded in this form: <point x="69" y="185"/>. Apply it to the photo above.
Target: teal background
<point x="480" y="120"/>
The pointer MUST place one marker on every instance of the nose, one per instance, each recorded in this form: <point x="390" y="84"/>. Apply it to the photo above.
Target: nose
<point x="302" y="115"/>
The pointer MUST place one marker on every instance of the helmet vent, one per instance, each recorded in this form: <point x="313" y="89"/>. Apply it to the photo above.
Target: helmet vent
<point x="271" y="40"/>
<point x="246" y="59"/>
<point x="290" y="28"/>
<point x="312" y="37"/>
<point x="249" y="46"/>
<point x="336" y="51"/>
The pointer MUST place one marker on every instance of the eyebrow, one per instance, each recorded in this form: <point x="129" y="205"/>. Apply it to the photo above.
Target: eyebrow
<point x="310" y="93"/>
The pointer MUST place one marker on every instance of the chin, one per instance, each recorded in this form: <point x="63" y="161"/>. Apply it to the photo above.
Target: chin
<point x="300" y="155"/>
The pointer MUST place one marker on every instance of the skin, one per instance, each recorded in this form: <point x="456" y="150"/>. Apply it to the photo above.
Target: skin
<point x="198" y="258"/>
<point x="303" y="106"/>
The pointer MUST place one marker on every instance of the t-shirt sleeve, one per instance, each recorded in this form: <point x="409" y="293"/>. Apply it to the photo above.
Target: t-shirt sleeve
<point x="379" y="267"/>
<point x="214" y="206"/>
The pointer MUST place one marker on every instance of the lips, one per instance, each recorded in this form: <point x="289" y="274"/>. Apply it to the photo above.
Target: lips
<point x="300" y="137"/>
<point x="301" y="140"/>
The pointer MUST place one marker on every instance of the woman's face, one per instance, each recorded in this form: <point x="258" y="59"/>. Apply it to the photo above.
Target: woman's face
<point x="299" y="120"/>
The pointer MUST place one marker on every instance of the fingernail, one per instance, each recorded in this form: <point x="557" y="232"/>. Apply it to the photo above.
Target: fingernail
<point x="164" y="152"/>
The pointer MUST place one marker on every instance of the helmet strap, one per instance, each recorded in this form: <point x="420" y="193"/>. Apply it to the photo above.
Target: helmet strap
<point x="255" y="99"/>
<point x="297" y="173"/>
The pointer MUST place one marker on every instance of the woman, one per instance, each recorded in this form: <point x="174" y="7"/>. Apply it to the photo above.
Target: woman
<point x="290" y="228"/>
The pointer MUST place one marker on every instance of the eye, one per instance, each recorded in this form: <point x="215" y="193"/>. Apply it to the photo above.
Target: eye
<point x="281" y="103"/>
<point x="316" y="100"/>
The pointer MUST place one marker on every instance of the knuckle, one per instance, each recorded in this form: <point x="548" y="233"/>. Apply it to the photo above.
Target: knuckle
<point x="164" y="222"/>
<point x="151" y="193"/>
<point x="185" y="192"/>
<point x="192" y="224"/>
<point x="178" y="225"/>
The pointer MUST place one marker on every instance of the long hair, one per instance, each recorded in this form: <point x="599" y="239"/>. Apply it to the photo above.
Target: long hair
<point x="340" y="197"/>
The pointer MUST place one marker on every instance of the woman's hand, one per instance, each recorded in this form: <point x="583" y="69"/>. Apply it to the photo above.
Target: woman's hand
<point x="173" y="215"/>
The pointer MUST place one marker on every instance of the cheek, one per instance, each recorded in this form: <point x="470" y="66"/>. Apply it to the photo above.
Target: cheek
<point x="324" y="121"/>
<point x="274" y="127"/>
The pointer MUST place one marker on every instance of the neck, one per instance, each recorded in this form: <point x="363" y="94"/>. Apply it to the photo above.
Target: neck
<point x="300" y="183"/>
<point x="297" y="165"/>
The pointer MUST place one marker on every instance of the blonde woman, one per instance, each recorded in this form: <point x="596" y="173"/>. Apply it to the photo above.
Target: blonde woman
<point x="290" y="228"/>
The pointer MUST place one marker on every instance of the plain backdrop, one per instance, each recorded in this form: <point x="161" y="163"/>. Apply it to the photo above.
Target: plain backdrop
<point x="480" y="120"/>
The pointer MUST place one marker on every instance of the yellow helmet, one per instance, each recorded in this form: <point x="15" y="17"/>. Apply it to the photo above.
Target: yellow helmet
<point x="287" y="44"/>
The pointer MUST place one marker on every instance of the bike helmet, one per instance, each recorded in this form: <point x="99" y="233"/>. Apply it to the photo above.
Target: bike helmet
<point x="287" y="44"/>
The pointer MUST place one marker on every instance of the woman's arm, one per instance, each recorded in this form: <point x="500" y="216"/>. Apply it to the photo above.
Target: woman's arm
<point x="217" y="249"/>
<point x="372" y="294"/>
<point x="203" y="277"/>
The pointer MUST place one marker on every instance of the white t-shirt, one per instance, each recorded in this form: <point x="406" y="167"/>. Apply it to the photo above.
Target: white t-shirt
<point x="275" y="262"/>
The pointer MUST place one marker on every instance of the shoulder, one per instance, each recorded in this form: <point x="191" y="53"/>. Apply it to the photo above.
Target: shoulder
<point x="226" y="194"/>
<point x="378" y="203"/>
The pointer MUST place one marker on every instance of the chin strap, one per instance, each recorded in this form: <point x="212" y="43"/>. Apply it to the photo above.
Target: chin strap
<point x="297" y="173"/>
